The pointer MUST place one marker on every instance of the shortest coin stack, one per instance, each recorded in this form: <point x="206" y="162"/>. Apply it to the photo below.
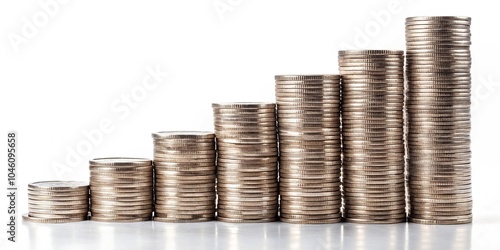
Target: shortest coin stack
<point x="185" y="176"/>
<point x="57" y="202"/>
<point x="121" y="189"/>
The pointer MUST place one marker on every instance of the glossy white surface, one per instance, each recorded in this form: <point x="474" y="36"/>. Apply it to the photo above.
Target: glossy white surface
<point x="216" y="235"/>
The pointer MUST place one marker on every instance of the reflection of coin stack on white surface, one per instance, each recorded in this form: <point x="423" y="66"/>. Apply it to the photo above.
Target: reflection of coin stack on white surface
<point x="121" y="189"/>
<point x="185" y="176"/>
<point x="247" y="178"/>
<point x="373" y="135"/>
<point x="57" y="202"/>
<point x="310" y="151"/>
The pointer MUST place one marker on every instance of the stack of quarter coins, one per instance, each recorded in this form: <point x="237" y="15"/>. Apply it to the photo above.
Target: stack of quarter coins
<point x="373" y="136"/>
<point x="121" y="189"/>
<point x="247" y="178"/>
<point x="57" y="202"/>
<point x="310" y="148"/>
<point x="439" y="98"/>
<point x="185" y="176"/>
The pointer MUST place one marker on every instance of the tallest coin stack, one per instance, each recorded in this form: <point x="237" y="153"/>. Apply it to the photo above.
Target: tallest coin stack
<point x="439" y="80"/>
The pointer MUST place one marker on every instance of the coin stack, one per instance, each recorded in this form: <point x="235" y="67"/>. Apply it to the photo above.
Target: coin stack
<point x="373" y="135"/>
<point x="57" y="202"/>
<point x="439" y="98"/>
<point x="247" y="178"/>
<point x="185" y="176"/>
<point x="310" y="148"/>
<point x="121" y="189"/>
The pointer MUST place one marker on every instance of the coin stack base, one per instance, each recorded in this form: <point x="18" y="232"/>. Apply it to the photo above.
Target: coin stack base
<point x="247" y="178"/>
<point x="121" y="189"/>
<point x="439" y="98"/>
<point x="310" y="149"/>
<point x="373" y="136"/>
<point x="57" y="202"/>
<point x="185" y="176"/>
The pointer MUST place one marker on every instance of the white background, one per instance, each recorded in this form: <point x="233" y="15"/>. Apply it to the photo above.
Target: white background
<point x="75" y="67"/>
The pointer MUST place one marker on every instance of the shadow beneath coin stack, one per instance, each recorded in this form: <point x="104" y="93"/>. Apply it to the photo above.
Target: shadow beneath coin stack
<point x="247" y="235"/>
<point x="90" y="235"/>
<point x="456" y="237"/>
<point x="314" y="236"/>
<point x="196" y="235"/>
<point x="50" y="236"/>
<point x="367" y="236"/>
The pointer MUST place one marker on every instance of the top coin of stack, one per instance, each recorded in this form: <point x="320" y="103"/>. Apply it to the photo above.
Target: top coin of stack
<point x="439" y="98"/>
<point x="373" y="136"/>
<point x="121" y="189"/>
<point x="57" y="202"/>
<point x="185" y="176"/>
<point x="309" y="145"/>
<point x="247" y="178"/>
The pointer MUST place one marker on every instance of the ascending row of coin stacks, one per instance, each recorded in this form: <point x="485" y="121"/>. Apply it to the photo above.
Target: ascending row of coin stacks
<point x="184" y="163"/>
<point x="121" y="189"/>
<point x="309" y="115"/>
<point x="57" y="202"/>
<point x="372" y="131"/>
<point x="309" y="146"/>
<point x="439" y="98"/>
<point x="247" y="179"/>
